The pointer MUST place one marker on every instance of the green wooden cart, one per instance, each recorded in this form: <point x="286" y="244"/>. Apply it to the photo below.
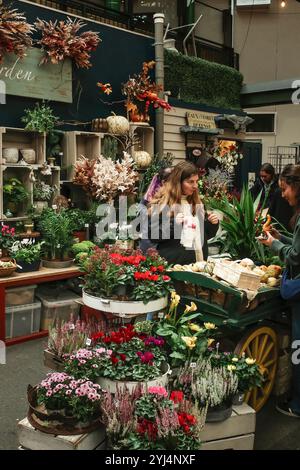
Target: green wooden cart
<point x="246" y="322"/>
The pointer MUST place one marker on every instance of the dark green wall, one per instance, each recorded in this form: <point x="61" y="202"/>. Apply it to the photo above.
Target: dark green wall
<point x="119" y="55"/>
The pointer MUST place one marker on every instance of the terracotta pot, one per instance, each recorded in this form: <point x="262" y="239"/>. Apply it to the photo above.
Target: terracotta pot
<point x="81" y="235"/>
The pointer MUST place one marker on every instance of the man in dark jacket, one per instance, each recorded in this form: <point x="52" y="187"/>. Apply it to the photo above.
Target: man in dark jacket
<point x="267" y="183"/>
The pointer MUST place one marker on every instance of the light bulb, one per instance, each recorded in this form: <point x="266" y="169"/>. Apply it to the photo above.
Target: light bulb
<point x="283" y="3"/>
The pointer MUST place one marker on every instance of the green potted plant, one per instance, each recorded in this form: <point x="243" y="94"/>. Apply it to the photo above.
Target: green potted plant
<point x="42" y="194"/>
<point x="40" y="118"/>
<point x="79" y="220"/>
<point x="27" y="256"/>
<point x="15" y="195"/>
<point x="57" y="233"/>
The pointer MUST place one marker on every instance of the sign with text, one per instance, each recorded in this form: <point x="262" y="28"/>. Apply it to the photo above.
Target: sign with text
<point x="25" y="77"/>
<point x="201" y="120"/>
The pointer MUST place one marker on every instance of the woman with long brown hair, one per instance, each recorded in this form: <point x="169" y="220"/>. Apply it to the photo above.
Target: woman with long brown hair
<point x="178" y="224"/>
<point x="288" y="250"/>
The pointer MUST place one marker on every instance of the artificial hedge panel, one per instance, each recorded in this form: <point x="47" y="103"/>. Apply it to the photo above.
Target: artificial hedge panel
<point x="197" y="80"/>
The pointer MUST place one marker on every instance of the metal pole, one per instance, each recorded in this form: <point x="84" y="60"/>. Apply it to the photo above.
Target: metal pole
<point x="159" y="78"/>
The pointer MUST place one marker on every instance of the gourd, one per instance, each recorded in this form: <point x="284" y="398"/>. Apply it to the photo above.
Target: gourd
<point x="142" y="158"/>
<point x="118" y="125"/>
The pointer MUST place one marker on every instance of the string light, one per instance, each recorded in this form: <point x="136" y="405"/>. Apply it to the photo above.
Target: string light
<point x="283" y="3"/>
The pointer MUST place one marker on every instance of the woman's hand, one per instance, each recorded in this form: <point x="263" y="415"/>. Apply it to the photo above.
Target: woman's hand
<point x="275" y="233"/>
<point x="213" y="218"/>
<point x="266" y="241"/>
<point x="179" y="219"/>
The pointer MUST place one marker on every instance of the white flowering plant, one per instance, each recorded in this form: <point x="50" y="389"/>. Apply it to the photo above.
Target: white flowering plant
<point x="78" y="398"/>
<point x="246" y="369"/>
<point x="228" y="155"/>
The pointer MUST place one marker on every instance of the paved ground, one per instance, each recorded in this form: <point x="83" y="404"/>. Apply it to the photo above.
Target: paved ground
<point x="25" y="366"/>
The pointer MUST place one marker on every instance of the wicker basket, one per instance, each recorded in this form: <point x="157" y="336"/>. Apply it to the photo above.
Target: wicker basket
<point x="5" y="272"/>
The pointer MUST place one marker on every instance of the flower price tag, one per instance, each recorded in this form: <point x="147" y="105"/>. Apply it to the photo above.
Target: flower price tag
<point x="72" y="326"/>
<point x="122" y="315"/>
<point x="86" y="225"/>
<point x="160" y="314"/>
<point x="193" y="365"/>
<point x="88" y="342"/>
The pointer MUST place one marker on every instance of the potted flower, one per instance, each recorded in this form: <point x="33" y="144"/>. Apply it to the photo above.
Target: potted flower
<point x="135" y="358"/>
<point x="86" y="363"/>
<point x="142" y="279"/>
<point x="61" y="404"/>
<point x="209" y="386"/>
<point x="42" y="194"/>
<point x="15" y="195"/>
<point x="79" y="220"/>
<point x="7" y="239"/>
<point x="185" y="339"/>
<point x="245" y="368"/>
<point x="66" y="338"/>
<point x="152" y="420"/>
<point x="27" y="256"/>
<point x="57" y="233"/>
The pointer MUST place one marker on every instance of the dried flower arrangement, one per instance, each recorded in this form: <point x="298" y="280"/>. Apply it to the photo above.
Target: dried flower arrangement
<point x="103" y="179"/>
<point x="141" y="92"/>
<point x="60" y="40"/>
<point x="14" y="32"/>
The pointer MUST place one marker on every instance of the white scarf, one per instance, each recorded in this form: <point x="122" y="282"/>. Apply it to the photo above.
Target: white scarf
<point x="191" y="229"/>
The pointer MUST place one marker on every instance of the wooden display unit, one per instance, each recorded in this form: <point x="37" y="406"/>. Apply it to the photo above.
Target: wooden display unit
<point x="11" y="137"/>
<point x="77" y="144"/>
<point x="145" y="135"/>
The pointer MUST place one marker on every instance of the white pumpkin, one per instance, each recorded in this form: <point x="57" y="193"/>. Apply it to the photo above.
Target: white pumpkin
<point x="142" y="158"/>
<point x="118" y="125"/>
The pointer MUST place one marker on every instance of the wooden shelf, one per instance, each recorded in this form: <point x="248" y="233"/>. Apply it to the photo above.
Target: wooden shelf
<point x="12" y="137"/>
<point x="77" y="144"/>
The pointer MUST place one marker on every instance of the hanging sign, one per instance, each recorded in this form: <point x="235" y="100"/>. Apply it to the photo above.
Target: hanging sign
<point x="200" y="119"/>
<point x="25" y="77"/>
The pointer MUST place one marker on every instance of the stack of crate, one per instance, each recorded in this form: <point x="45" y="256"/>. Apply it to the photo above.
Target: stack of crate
<point x="284" y="369"/>
<point x="23" y="312"/>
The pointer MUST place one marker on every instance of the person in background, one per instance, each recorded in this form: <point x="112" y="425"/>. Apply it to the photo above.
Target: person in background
<point x="177" y="220"/>
<point x="279" y="208"/>
<point x="157" y="182"/>
<point x="288" y="250"/>
<point x="266" y="183"/>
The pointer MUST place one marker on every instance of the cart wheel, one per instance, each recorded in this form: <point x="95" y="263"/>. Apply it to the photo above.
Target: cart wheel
<point x="260" y="344"/>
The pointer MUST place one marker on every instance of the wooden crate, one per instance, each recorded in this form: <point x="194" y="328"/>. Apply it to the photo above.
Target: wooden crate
<point x="31" y="438"/>
<point x="77" y="143"/>
<point x="23" y="139"/>
<point x="240" y="279"/>
<point x="237" y="432"/>
<point x="145" y="136"/>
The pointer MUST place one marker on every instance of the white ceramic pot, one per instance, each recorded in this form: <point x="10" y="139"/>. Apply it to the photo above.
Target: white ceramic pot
<point x="112" y="385"/>
<point x="28" y="155"/>
<point x="123" y="308"/>
<point x="11" y="155"/>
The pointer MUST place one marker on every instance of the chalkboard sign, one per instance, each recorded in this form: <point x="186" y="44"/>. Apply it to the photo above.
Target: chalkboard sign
<point x="25" y="77"/>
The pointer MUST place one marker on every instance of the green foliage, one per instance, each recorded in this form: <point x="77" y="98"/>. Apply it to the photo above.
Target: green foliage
<point x="28" y="253"/>
<point x="158" y="163"/>
<point x="186" y="341"/>
<point x="40" y="118"/>
<point x="200" y="81"/>
<point x="15" y="191"/>
<point x="42" y="191"/>
<point x="57" y="230"/>
<point x="83" y="247"/>
<point x="242" y="223"/>
<point x="110" y="147"/>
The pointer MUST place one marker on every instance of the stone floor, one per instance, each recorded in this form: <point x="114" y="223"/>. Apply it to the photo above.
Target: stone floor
<point x="25" y="366"/>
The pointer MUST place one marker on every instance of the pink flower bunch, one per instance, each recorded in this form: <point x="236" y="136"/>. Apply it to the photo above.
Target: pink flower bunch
<point x="62" y="391"/>
<point x="86" y="363"/>
<point x="7" y="236"/>
<point x="146" y="357"/>
<point x="151" y="340"/>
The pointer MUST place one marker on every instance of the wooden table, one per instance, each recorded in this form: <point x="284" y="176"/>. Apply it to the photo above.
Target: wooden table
<point x="27" y="279"/>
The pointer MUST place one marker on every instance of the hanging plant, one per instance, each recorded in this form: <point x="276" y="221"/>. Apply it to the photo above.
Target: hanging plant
<point x="60" y="40"/>
<point x="14" y="32"/>
<point x="40" y="118"/>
